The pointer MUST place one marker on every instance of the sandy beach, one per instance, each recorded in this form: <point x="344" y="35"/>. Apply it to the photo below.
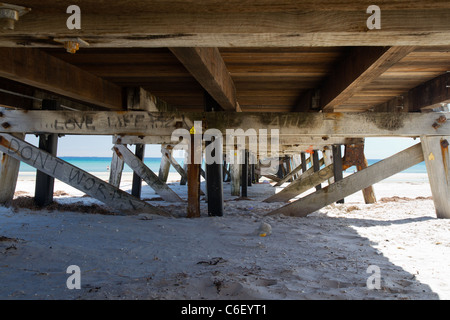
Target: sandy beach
<point x="326" y="255"/>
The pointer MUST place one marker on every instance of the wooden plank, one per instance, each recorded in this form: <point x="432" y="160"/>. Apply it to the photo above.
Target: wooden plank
<point x="359" y="68"/>
<point x="307" y="181"/>
<point x="353" y="183"/>
<point x="147" y="174"/>
<point x="208" y="68"/>
<point x="39" y="69"/>
<point x="235" y="24"/>
<point x="9" y="172"/>
<point x="115" y="198"/>
<point x="437" y="160"/>
<point x="356" y="125"/>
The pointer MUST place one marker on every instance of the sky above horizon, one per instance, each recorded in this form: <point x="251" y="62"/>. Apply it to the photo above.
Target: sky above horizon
<point x="100" y="146"/>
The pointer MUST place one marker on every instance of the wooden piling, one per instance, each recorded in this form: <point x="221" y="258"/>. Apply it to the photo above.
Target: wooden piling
<point x="437" y="160"/>
<point x="9" y="172"/>
<point x="193" y="209"/>
<point x="136" y="187"/>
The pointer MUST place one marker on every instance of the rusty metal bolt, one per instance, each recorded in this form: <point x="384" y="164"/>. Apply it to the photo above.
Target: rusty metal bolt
<point x="444" y="143"/>
<point x="6" y="125"/>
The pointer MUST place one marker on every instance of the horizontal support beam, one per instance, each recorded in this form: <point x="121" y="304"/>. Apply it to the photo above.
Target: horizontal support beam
<point x="207" y="66"/>
<point x="353" y="183"/>
<point x="140" y="123"/>
<point x="39" y="69"/>
<point x="429" y="95"/>
<point x="113" y="197"/>
<point x="234" y="24"/>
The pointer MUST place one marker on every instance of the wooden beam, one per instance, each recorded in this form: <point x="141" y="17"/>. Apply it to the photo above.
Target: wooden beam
<point x="207" y="66"/>
<point x="360" y="67"/>
<point x="437" y="160"/>
<point x="234" y="24"/>
<point x="353" y="183"/>
<point x="356" y="125"/>
<point x="146" y="174"/>
<point x="39" y="69"/>
<point x="115" y="198"/>
<point x="429" y="95"/>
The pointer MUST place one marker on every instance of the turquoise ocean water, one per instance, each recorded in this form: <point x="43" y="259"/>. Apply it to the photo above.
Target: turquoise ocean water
<point x="101" y="164"/>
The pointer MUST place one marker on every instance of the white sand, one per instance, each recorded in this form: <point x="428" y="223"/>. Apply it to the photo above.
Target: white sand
<point x="322" y="256"/>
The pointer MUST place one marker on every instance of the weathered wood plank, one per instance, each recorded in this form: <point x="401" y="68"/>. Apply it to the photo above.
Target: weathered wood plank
<point x="307" y="181"/>
<point x="39" y="69"/>
<point x="437" y="160"/>
<point x="139" y="123"/>
<point x="115" y="198"/>
<point x="147" y="174"/>
<point x="164" y="167"/>
<point x="353" y="183"/>
<point x="236" y="24"/>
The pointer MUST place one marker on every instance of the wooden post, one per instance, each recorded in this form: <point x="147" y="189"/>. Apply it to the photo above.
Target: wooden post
<point x="316" y="166"/>
<point x="9" y="172"/>
<point x="165" y="164"/>
<point x="303" y="159"/>
<point x="115" y="171"/>
<point x="43" y="194"/>
<point x="307" y="181"/>
<point x="244" y="173"/>
<point x="193" y="209"/>
<point x="214" y="185"/>
<point x="235" y="170"/>
<point x="354" y="156"/>
<point x="337" y="165"/>
<point x="368" y="193"/>
<point x="437" y="160"/>
<point x="353" y="183"/>
<point x="136" y="187"/>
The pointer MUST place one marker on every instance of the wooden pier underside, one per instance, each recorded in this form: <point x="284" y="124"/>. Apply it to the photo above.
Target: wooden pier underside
<point x="310" y="73"/>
